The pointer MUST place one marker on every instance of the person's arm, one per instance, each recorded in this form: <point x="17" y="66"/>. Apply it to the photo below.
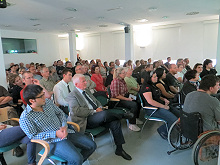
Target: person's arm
<point x="47" y="94"/>
<point x="142" y="80"/>
<point x="173" y="89"/>
<point x="5" y="99"/>
<point x="164" y="92"/>
<point x="120" y="97"/>
<point x="148" y="97"/>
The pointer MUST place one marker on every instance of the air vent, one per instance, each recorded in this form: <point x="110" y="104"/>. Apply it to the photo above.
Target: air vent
<point x="192" y="13"/>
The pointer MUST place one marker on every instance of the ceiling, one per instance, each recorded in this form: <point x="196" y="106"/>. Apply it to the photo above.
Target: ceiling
<point x="92" y="16"/>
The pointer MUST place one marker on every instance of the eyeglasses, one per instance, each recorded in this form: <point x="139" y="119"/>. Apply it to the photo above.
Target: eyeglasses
<point x="40" y="97"/>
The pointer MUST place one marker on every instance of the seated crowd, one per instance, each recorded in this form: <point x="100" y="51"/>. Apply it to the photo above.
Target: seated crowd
<point x="41" y="95"/>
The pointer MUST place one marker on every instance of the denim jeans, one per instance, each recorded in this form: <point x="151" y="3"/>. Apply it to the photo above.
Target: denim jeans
<point x="15" y="134"/>
<point x="166" y="115"/>
<point x="75" y="149"/>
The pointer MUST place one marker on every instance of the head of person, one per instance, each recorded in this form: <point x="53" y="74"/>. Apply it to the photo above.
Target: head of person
<point x="111" y="64"/>
<point x="28" y="78"/>
<point x="160" y="62"/>
<point x="173" y="69"/>
<point x="210" y="83"/>
<point x="152" y="79"/>
<point x="186" y="61"/>
<point x="137" y="63"/>
<point x="149" y="67"/>
<point x="68" y="64"/>
<point x="198" y="67"/>
<point x="112" y="70"/>
<point x="117" y="62"/>
<point x="85" y="69"/>
<point x="168" y="59"/>
<point x="142" y="62"/>
<point x="161" y="74"/>
<point x="92" y="62"/>
<point x="128" y="72"/>
<point x="67" y="75"/>
<point x="55" y="63"/>
<point x="156" y="64"/>
<point x="78" y="69"/>
<point x="51" y="69"/>
<point x="149" y="60"/>
<point x="21" y="64"/>
<point x="95" y="69"/>
<point x="79" y="81"/>
<point x="207" y="64"/>
<point x="105" y="64"/>
<point x="34" y="95"/>
<point x="45" y="72"/>
<point x="120" y="73"/>
<point x="129" y="62"/>
<point x="27" y="66"/>
<point x="125" y="64"/>
<point x="99" y="63"/>
<point x="21" y="70"/>
<point x="179" y="61"/>
<point x="192" y="75"/>
<point x="32" y="69"/>
<point x="59" y="63"/>
<point x="179" y="67"/>
<point x="15" y="80"/>
<point x="13" y="68"/>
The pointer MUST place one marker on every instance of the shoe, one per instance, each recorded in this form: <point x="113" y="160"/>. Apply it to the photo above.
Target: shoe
<point x="123" y="154"/>
<point x="128" y="115"/>
<point x="18" y="152"/>
<point x="134" y="127"/>
<point x="138" y="121"/>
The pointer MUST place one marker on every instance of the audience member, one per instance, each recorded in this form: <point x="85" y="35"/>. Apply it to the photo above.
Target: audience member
<point x="53" y="74"/>
<point x="111" y="64"/>
<point x="97" y="78"/>
<point x="201" y="101"/>
<point x="198" y="67"/>
<point x="117" y="63"/>
<point x="168" y="62"/>
<point x="149" y="61"/>
<point x="59" y="68"/>
<point x="45" y="121"/>
<point x="207" y="68"/>
<point x="46" y="80"/>
<point x="145" y="75"/>
<point x="109" y="77"/>
<point x="186" y="61"/>
<point x="87" y="112"/>
<point x="119" y="90"/>
<point x="137" y="64"/>
<point x="152" y="97"/>
<point x="32" y="69"/>
<point x="179" y="76"/>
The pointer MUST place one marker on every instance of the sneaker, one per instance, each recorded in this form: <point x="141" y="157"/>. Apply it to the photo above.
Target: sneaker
<point x="138" y="121"/>
<point x="134" y="127"/>
<point x="18" y="152"/>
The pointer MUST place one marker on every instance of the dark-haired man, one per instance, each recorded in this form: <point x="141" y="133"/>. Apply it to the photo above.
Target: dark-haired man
<point x="208" y="68"/>
<point x="45" y="121"/>
<point x="201" y="101"/>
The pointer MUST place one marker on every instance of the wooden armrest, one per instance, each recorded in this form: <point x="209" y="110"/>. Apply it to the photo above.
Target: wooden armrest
<point x="46" y="149"/>
<point x="15" y="119"/>
<point x="114" y="99"/>
<point x="75" y="125"/>
<point x="152" y="108"/>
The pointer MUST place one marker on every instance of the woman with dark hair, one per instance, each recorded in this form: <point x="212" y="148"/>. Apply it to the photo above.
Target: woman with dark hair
<point x="161" y="84"/>
<point x="207" y="68"/>
<point x="151" y="96"/>
<point x="97" y="78"/>
<point x="199" y="68"/>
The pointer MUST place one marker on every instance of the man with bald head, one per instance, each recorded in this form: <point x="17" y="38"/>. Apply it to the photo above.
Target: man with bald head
<point x="172" y="82"/>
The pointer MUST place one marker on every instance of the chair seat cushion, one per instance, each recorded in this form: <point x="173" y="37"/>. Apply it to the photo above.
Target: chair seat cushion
<point x="96" y="131"/>
<point x="8" y="148"/>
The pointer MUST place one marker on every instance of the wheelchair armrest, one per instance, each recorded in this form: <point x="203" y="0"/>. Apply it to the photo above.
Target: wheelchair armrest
<point x="75" y="125"/>
<point x="151" y="108"/>
<point x="46" y="149"/>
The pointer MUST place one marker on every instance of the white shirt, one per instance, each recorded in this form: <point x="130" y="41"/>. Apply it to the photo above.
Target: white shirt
<point x="61" y="92"/>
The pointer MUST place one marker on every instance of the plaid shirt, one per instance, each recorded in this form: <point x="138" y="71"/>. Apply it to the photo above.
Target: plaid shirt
<point x="118" y="87"/>
<point x="43" y="125"/>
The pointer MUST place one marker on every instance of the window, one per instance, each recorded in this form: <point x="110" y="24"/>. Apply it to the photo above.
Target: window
<point x="17" y="45"/>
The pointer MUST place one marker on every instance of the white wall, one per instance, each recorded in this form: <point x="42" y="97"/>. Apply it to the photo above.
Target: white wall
<point x="196" y="41"/>
<point x="47" y="48"/>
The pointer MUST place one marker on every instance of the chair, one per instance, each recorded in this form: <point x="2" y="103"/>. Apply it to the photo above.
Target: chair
<point x="4" y="117"/>
<point x="184" y="132"/>
<point x="150" y="117"/>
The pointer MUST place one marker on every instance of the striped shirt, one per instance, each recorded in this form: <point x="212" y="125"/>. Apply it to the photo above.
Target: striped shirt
<point x="43" y="125"/>
<point x="118" y="87"/>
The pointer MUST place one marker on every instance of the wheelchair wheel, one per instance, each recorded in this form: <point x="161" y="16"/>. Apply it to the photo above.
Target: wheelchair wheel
<point x="206" y="149"/>
<point x="176" y="139"/>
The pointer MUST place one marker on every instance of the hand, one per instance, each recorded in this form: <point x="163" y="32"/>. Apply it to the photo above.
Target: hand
<point x="36" y="82"/>
<point x="167" y="102"/>
<point x="3" y="127"/>
<point x="62" y="133"/>
<point x="166" y="107"/>
<point x="129" y="99"/>
<point x="99" y="110"/>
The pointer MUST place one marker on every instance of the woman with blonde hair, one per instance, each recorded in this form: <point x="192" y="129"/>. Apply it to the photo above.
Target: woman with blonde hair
<point x="119" y="90"/>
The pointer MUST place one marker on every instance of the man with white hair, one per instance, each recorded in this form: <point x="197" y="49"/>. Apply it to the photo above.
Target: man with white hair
<point x="87" y="111"/>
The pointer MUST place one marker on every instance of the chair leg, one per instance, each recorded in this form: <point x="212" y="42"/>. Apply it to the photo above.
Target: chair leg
<point x="2" y="159"/>
<point x="51" y="161"/>
<point x="143" y="127"/>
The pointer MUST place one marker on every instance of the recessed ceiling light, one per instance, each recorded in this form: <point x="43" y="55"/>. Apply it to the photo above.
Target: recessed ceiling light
<point x="152" y="9"/>
<point x="77" y="30"/>
<point x="34" y="19"/>
<point x="71" y="9"/>
<point x="117" y="8"/>
<point x="121" y="23"/>
<point x="102" y="25"/>
<point x="36" y="24"/>
<point x="141" y="20"/>
<point x="165" y="17"/>
<point x="64" y="24"/>
<point x="192" y="13"/>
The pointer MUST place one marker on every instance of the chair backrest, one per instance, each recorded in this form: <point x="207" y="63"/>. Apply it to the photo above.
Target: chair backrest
<point x="191" y="125"/>
<point x="140" y="99"/>
<point x="109" y="92"/>
<point x="103" y="100"/>
<point x="3" y="114"/>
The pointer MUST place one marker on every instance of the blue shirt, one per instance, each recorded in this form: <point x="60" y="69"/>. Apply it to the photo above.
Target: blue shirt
<point x="43" y="125"/>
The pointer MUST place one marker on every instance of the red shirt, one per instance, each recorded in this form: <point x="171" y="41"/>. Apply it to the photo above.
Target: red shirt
<point x="22" y="98"/>
<point x="98" y="80"/>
